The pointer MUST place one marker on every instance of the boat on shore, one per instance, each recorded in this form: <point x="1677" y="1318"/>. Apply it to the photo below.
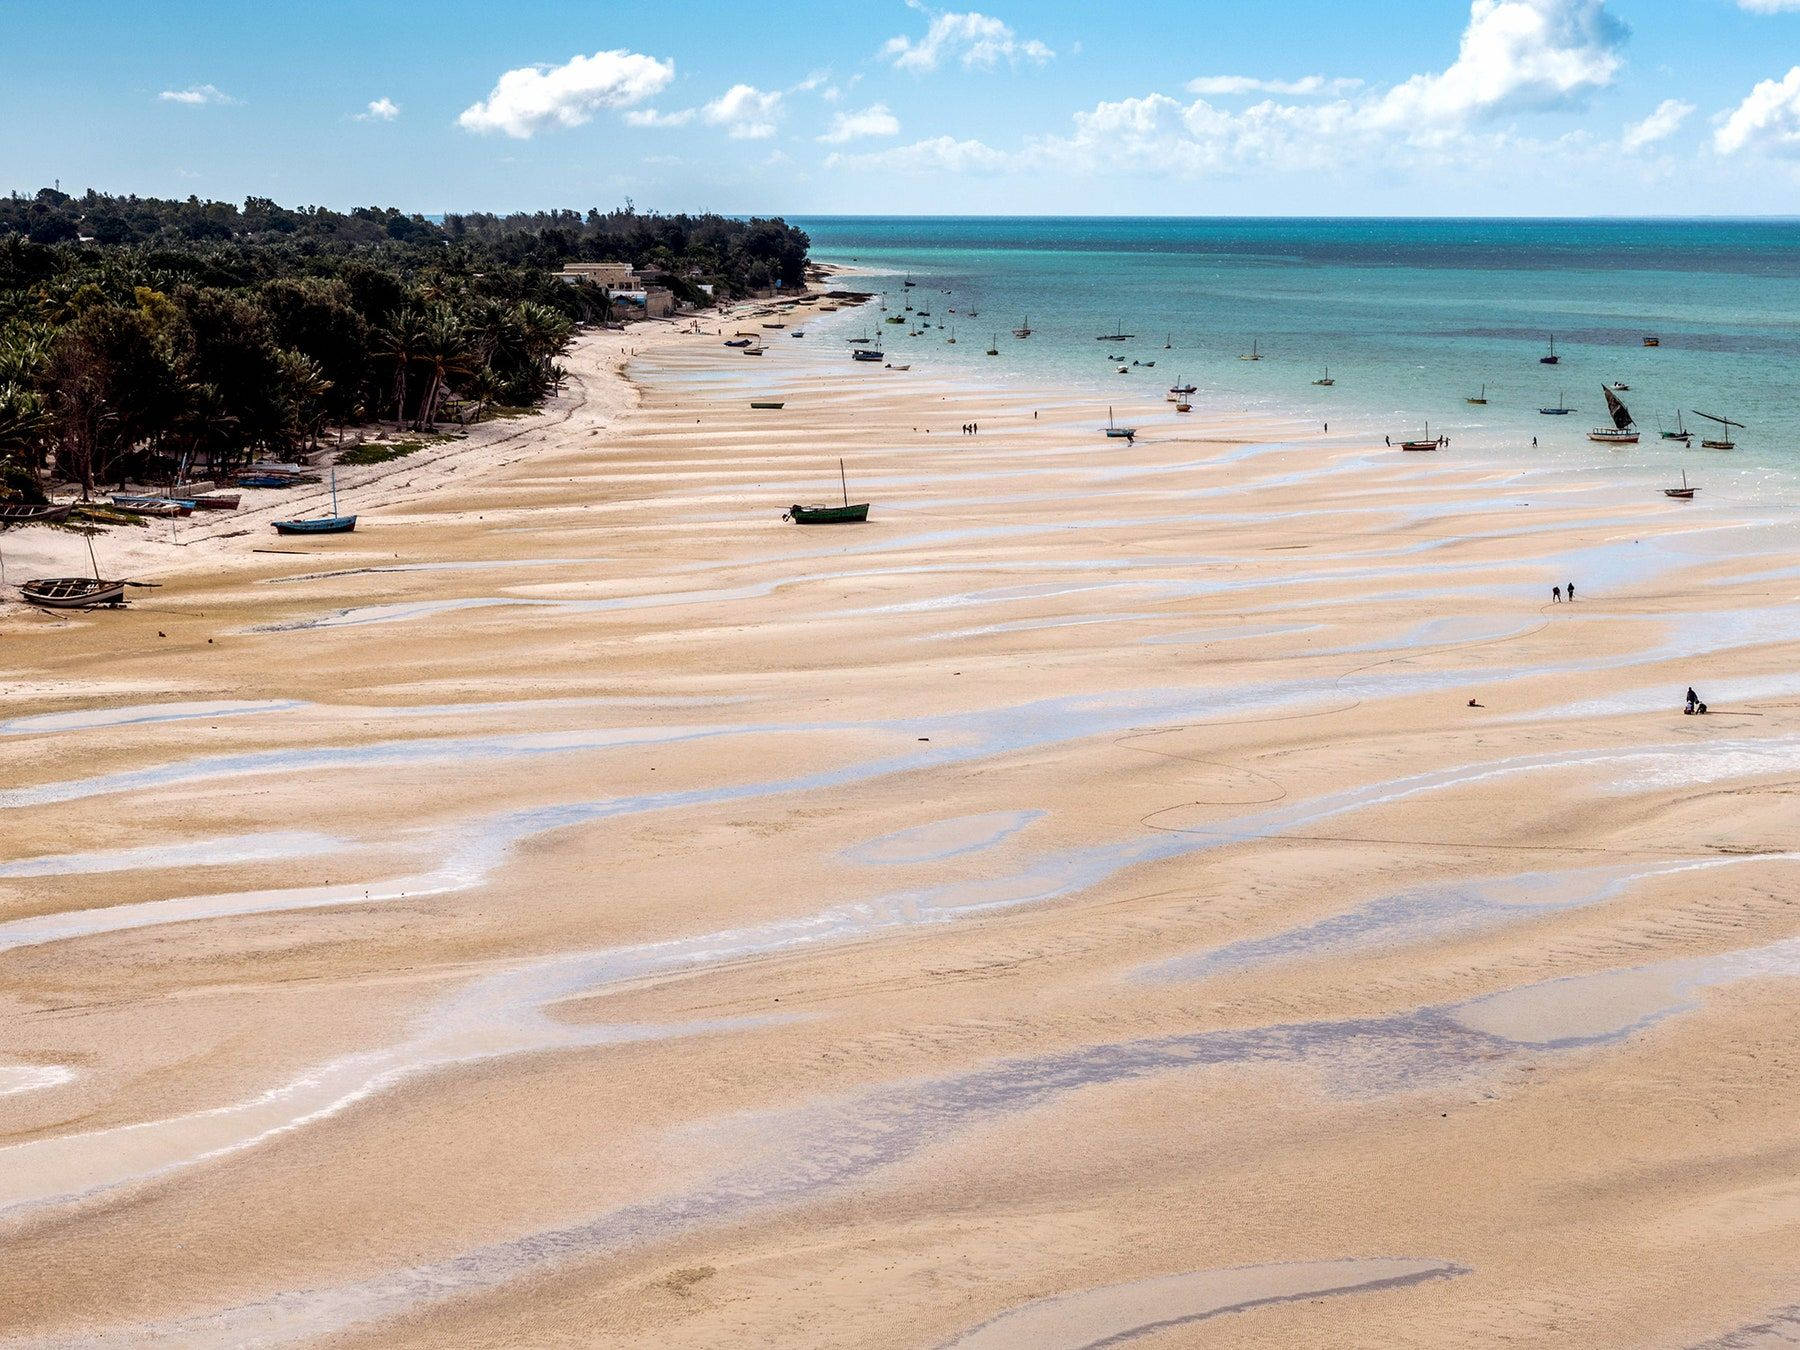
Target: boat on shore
<point x="739" y="342"/>
<point x="1425" y="442"/>
<point x="849" y="513"/>
<point x="146" y="505"/>
<point x="12" y="513"/>
<point x="1116" y="432"/>
<point x="266" y="480"/>
<point x="1684" y="492"/>
<point x="72" y="592"/>
<point x="1721" y="439"/>
<point x="1551" y="359"/>
<point x="754" y="403"/>
<point x="1623" y="431"/>
<point x="331" y="524"/>
<point x="1178" y="392"/>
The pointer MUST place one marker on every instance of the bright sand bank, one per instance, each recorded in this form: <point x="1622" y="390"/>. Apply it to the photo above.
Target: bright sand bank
<point x="579" y="908"/>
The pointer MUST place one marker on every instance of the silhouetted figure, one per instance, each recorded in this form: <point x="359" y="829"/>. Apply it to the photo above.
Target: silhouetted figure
<point x="1534" y="442"/>
<point x="1570" y="588"/>
<point x="1556" y="594"/>
<point x="1694" y="705"/>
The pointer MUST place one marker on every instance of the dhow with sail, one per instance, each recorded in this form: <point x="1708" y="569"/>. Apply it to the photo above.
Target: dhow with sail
<point x="1623" y="431"/>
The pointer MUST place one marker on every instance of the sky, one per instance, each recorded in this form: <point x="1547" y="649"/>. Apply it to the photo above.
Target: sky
<point x="1209" y="107"/>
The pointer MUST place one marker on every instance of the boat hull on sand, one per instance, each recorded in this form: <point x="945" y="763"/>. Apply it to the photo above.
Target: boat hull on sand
<point x="72" y="592"/>
<point x="853" y="514"/>
<point x="322" y="525"/>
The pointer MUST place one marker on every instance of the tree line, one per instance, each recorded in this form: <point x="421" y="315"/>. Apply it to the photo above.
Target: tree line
<point x="138" y="334"/>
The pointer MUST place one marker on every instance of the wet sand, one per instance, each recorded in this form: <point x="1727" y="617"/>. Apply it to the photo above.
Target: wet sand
<point x="1078" y="906"/>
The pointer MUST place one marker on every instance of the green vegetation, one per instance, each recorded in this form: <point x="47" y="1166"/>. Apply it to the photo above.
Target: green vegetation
<point x="380" y="453"/>
<point x="138" y="334"/>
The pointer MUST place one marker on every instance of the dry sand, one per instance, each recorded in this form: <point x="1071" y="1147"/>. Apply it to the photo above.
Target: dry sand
<point x="1077" y="906"/>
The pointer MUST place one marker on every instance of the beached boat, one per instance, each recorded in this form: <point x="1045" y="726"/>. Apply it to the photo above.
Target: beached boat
<point x="866" y="354"/>
<point x="765" y="404"/>
<point x="331" y="524"/>
<point x="266" y="480"/>
<point x="797" y="333"/>
<point x="1114" y="337"/>
<point x="1622" y="431"/>
<point x="11" y="513"/>
<point x="147" y="505"/>
<point x="1721" y="439"/>
<point x="849" y="513"/>
<point x="1184" y="406"/>
<point x="1176" y="391"/>
<point x="72" y="592"/>
<point x="1480" y="398"/>
<point x="1681" y="433"/>
<point x="1562" y="408"/>
<point x="1325" y="380"/>
<point x="739" y="342"/>
<point x="1682" y="493"/>
<point x="1425" y="442"/>
<point x="1024" y="329"/>
<point x="1117" y="432"/>
<point x="216" y="501"/>
<point x="1552" y="358"/>
<point x="1253" y="354"/>
<point x="774" y="325"/>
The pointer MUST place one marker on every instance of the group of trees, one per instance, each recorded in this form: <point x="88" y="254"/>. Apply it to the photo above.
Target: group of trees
<point x="136" y="333"/>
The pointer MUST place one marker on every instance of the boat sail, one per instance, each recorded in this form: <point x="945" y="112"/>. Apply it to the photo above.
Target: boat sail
<point x="1681" y="433"/>
<point x="1721" y="439"/>
<point x="1623" y="431"/>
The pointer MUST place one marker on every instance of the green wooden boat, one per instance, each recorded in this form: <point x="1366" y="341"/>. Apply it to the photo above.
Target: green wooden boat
<point x="850" y="513"/>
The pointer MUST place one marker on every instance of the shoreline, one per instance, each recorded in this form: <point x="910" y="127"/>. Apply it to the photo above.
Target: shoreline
<point x="585" y="881"/>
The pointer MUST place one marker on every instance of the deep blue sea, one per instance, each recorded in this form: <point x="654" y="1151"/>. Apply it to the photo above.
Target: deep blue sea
<point x="1410" y="316"/>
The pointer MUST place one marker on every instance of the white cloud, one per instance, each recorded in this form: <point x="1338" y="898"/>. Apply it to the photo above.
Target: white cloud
<point x="1768" y="120"/>
<point x="746" y="112"/>
<point x="975" y="39"/>
<point x="197" y="95"/>
<point x="1769" y="6"/>
<point x="1664" y="121"/>
<point x="874" y="120"/>
<point x="943" y="154"/>
<point x="380" y="110"/>
<point x="1516" y="55"/>
<point x="650" y="117"/>
<point x="531" y="99"/>
<point x="1305" y="87"/>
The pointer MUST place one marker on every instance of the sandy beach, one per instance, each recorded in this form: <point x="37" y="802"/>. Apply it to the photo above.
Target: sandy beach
<point x="1079" y="905"/>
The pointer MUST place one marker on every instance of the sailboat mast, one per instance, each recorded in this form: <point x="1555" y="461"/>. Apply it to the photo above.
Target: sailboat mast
<point x="843" y="482"/>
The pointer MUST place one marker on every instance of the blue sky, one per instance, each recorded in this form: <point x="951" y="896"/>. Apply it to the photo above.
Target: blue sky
<point x="1504" y="107"/>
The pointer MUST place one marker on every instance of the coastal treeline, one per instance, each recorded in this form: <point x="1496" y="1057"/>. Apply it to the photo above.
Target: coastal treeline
<point x="139" y="333"/>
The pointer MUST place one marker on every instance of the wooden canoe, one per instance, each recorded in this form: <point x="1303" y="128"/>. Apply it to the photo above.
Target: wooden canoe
<point x="72" y="592"/>
<point x="829" y="515"/>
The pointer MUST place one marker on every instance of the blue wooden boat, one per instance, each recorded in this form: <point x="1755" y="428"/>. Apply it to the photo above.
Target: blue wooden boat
<point x="264" y="480"/>
<point x="331" y="524"/>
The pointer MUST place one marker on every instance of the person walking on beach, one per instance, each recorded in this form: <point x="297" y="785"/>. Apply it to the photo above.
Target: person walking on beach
<point x="1534" y="442"/>
<point x="1570" y="588"/>
<point x="1387" y="440"/>
<point x="1556" y="594"/>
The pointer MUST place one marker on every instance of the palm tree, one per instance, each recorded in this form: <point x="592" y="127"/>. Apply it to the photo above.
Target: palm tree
<point x="444" y="352"/>
<point x="306" y="387"/>
<point x="399" y="345"/>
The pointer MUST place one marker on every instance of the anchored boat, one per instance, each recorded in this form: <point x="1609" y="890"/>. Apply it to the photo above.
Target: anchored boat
<point x="1551" y="359"/>
<point x="1115" y="432"/>
<point x="1425" y="442"/>
<point x="1562" y="408"/>
<point x="14" y="514"/>
<point x="847" y="514"/>
<point x="331" y="524"/>
<point x="1721" y="439"/>
<point x="1623" y="431"/>
<point x="1480" y="398"/>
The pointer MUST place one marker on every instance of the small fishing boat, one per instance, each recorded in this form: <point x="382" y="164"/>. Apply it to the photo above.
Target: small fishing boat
<point x="1681" y="433"/>
<point x="1169" y="343"/>
<point x="11" y="513"/>
<point x="1116" y="432"/>
<point x="1124" y="370"/>
<point x="1721" y="439"/>
<point x="847" y="514"/>
<point x="265" y="480"/>
<point x="797" y="333"/>
<point x="909" y="282"/>
<point x="1552" y="358"/>
<point x="1325" y="380"/>
<point x="907" y="366"/>
<point x="1480" y="398"/>
<point x="1024" y="329"/>
<point x="145" y="505"/>
<point x="925" y="314"/>
<point x="866" y="354"/>
<point x="895" y="318"/>
<point x="739" y="342"/>
<point x="1176" y="391"/>
<point x="1562" y="408"/>
<point x="774" y="325"/>
<point x="217" y="501"/>
<point x="72" y="592"/>
<point x="1621" y="386"/>
<point x="863" y="341"/>
<point x="1622" y="431"/>
<point x="1684" y="492"/>
<point x="1253" y="354"/>
<point x="331" y="524"/>
<point x="753" y="351"/>
<point x="1651" y="340"/>
<point x="951" y="340"/>
<point x="755" y="404"/>
<point x="994" y="345"/>
<point x="1425" y="442"/>
<point x="1184" y="406"/>
<point x="1118" y="336"/>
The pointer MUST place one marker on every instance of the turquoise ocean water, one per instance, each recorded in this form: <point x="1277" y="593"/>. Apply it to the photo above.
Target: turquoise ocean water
<point x="1410" y="316"/>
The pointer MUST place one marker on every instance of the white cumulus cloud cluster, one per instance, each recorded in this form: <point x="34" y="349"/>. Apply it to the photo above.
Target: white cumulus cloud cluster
<point x="874" y="120"/>
<point x="1767" y="121"/>
<point x="1664" y="121"/>
<point x="197" y="95"/>
<point x="977" y="40"/>
<point x="380" y="110"/>
<point x="746" y="112"/>
<point x="531" y="99"/>
<point x="1515" y="56"/>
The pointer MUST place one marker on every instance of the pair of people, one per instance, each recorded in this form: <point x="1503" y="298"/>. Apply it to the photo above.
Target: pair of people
<point x="1556" y="593"/>
<point x="970" y="428"/>
<point x="1694" y="705"/>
